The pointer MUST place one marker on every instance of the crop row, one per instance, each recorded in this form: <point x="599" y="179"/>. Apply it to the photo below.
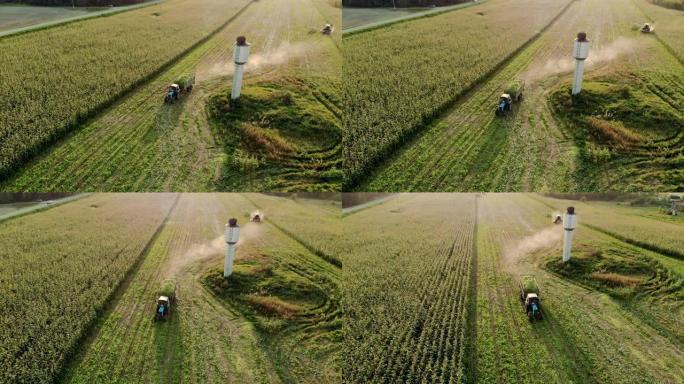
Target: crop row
<point x="57" y="270"/>
<point x="54" y="79"/>
<point x="406" y="279"/>
<point x="400" y="77"/>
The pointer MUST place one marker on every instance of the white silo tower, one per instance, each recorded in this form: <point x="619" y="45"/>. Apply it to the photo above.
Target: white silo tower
<point x="580" y="52"/>
<point x="232" y="234"/>
<point x="240" y="56"/>
<point x="569" y="224"/>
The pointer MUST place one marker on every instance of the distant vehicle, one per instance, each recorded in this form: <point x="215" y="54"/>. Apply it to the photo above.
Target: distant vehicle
<point x="529" y="295"/>
<point x="256" y="217"/>
<point x="513" y="93"/>
<point x="183" y="85"/>
<point x="166" y="299"/>
<point x="647" y="28"/>
<point x="558" y="219"/>
<point x="327" y="29"/>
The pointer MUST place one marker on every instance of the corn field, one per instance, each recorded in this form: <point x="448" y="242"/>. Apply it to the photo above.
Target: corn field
<point x="55" y="79"/>
<point x="400" y="77"/>
<point x="406" y="290"/>
<point x="57" y="270"/>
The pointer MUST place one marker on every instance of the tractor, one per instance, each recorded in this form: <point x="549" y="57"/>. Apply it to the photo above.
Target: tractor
<point x="529" y="296"/>
<point x="513" y="93"/>
<point x="557" y="219"/>
<point x="256" y="217"/>
<point x="166" y="299"/>
<point x="327" y="29"/>
<point x="182" y="85"/>
<point x="647" y="28"/>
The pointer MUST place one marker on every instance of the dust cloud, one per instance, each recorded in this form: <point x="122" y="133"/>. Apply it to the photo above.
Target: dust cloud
<point x="545" y="238"/>
<point x="281" y="55"/>
<point x="601" y="55"/>
<point x="202" y="252"/>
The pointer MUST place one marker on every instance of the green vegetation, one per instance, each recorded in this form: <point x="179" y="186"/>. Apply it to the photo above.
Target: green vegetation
<point x="59" y="270"/>
<point x="529" y="284"/>
<point x="389" y="97"/>
<point x="406" y="284"/>
<point x="628" y="134"/>
<point x="464" y="147"/>
<point x="674" y="4"/>
<point x="141" y="143"/>
<point x="292" y="299"/>
<point x="42" y="104"/>
<point x="280" y="136"/>
<point x="168" y="288"/>
<point x="612" y="315"/>
<point x="81" y="298"/>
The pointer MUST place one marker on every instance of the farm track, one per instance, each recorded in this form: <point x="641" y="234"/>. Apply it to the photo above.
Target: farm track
<point x="470" y="149"/>
<point x="205" y="340"/>
<point x="140" y="144"/>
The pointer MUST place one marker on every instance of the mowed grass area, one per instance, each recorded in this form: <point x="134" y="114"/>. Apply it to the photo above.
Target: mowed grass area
<point x="142" y="144"/>
<point x="278" y="326"/>
<point x="591" y="332"/>
<point x="467" y="148"/>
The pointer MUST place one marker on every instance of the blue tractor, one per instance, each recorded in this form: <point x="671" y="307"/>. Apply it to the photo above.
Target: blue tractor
<point x="513" y="93"/>
<point x="183" y="85"/>
<point x="529" y="295"/>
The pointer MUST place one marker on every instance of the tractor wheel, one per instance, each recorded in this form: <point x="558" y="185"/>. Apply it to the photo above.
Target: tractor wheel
<point x="530" y="316"/>
<point x="497" y="112"/>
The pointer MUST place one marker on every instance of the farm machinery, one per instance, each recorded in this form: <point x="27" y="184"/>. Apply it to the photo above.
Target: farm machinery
<point x="166" y="299"/>
<point x="182" y="85"/>
<point x="327" y="29"/>
<point x="512" y="93"/>
<point x="529" y="296"/>
<point x="557" y="219"/>
<point x="647" y="28"/>
<point x="256" y="217"/>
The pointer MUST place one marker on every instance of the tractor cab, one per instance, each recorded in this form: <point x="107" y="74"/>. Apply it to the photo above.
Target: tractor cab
<point x="163" y="307"/>
<point x="647" y="28"/>
<point x="504" y="106"/>
<point x="532" y="306"/>
<point x="327" y="29"/>
<point x="172" y="93"/>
